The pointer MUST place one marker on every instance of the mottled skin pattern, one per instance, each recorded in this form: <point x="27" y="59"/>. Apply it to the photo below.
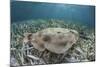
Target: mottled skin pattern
<point x="56" y="40"/>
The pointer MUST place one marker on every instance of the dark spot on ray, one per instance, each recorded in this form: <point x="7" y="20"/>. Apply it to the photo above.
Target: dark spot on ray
<point x="46" y="38"/>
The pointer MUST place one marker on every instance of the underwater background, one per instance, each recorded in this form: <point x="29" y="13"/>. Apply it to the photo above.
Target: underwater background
<point x="31" y="17"/>
<point x="84" y="14"/>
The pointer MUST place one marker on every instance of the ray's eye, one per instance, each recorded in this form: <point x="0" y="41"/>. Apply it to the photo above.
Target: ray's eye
<point x="46" y="38"/>
<point x="72" y="32"/>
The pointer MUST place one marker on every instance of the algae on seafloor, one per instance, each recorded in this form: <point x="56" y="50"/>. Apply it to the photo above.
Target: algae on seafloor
<point x="83" y="50"/>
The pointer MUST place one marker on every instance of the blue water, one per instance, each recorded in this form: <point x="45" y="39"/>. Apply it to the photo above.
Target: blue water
<point x="21" y="11"/>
